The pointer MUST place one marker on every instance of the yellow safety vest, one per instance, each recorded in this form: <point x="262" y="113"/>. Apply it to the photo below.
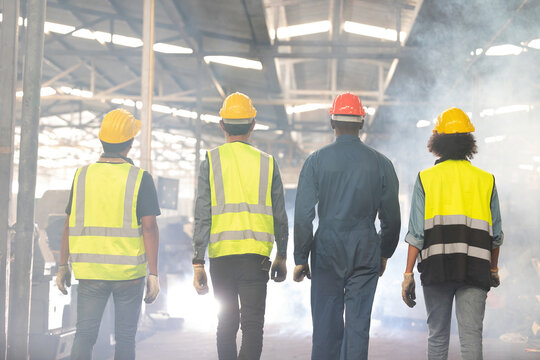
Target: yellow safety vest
<point x="242" y="218"/>
<point x="458" y="230"/>
<point x="105" y="239"/>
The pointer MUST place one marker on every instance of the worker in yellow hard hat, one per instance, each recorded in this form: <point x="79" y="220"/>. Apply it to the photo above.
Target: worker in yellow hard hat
<point x="239" y="213"/>
<point x="111" y="239"/>
<point x="455" y="232"/>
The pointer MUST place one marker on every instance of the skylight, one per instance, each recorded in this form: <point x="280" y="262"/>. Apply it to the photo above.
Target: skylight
<point x="372" y="31"/>
<point x="502" y="50"/>
<point x="535" y="44"/>
<point x="303" y="29"/>
<point x="171" y="49"/>
<point x="234" y="61"/>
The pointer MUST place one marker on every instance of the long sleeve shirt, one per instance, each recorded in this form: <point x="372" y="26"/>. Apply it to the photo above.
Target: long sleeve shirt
<point x="203" y="213"/>
<point x="415" y="234"/>
<point x="351" y="183"/>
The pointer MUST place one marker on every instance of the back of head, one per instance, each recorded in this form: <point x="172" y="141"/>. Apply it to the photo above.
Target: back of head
<point x="117" y="131"/>
<point x="237" y="114"/>
<point x="347" y="114"/>
<point x="452" y="136"/>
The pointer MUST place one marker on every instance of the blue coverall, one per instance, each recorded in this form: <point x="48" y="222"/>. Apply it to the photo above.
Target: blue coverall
<point x="351" y="183"/>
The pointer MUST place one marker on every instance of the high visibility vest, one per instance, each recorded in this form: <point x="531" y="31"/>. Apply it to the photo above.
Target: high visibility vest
<point x="242" y="218"/>
<point x="105" y="239"/>
<point x="458" y="230"/>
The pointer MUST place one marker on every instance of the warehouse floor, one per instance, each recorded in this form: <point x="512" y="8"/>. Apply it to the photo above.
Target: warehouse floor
<point x="191" y="344"/>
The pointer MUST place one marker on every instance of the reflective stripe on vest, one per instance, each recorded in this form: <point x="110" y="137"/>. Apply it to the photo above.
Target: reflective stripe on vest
<point x="105" y="239"/>
<point x="242" y="217"/>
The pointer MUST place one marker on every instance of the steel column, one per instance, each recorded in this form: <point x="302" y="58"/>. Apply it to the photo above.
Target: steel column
<point x="8" y="79"/>
<point x="21" y="276"/>
<point x="147" y="85"/>
<point x="198" y="124"/>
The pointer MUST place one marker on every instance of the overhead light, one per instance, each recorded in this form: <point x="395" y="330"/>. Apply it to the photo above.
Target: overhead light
<point x="535" y="44"/>
<point x="19" y="93"/>
<point x="57" y="28"/>
<point x="261" y="127"/>
<point x="185" y="113"/>
<point x="492" y="139"/>
<point x="234" y="61"/>
<point x="423" y="123"/>
<point x="303" y="29"/>
<point x="503" y="50"/>
<point x="76" y="92"/>
<point x="47" y="91"/>
<point x="297" y="109"/>
<point x="126" y="41"/>
<point x="370" y="110"/>
<point x="526" y="167"/>
<point x="373" y="31"/>
<point x="210" y="118"/>
<point x="171" y="49"/>
<point x="100" y="36"/>
<point x="505" y="110"/>
<point x="162" y="109"/>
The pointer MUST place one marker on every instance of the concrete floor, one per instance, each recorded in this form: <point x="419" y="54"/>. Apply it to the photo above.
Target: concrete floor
<point x="200" y="345"/>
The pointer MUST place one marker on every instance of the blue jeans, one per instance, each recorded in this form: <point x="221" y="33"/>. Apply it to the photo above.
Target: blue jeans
<point x="91" y="302"/>
<point x="470" y="307"/>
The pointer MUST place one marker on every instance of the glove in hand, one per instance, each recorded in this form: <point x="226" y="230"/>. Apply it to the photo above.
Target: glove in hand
<point x="200" y="281"/>
<point x="278" y="271"/>
<point x="152" y="288"/>
<point x="63" y="278"/>
<point x="408" y="290"/>
<point x="300" y="271"/>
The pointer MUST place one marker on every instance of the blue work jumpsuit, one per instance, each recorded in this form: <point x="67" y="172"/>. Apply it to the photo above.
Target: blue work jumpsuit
<point x="351" y="183"/>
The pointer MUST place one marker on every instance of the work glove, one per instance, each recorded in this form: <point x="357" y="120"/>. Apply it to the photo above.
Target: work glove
<point x="279" y="269"/>
<point x="200" y="281"/>
<point x="152" y="288"/>
<point x="63" y="278"/>
<point x="495" y="280"/>
<point x="300" y="271"/>
<point x="407" y="289"/>
<point x="383" y="266"/>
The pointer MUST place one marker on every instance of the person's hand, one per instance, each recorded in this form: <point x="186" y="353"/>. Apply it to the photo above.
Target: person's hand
<point x="408" y="289"/>
<point x="152" y="288"/>
<point x="278" y="271"/>
<point x="300" y="271"/>
<point x="383" y="266"/>
<point x="200" y="282"/>
<point x="63" y="278"/>
<point x="495" y="280"/>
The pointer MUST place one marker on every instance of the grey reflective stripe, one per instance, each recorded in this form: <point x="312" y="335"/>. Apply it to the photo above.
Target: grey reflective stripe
<point x="108" y="259"/>
<point x="456" y="248"/>
<point x="126" y="230"/>
<point x="241" y="207"/>
<point x="458" y="220"/>
<point x="218" y="177"/>
<point x="79" y="199"/>
<point x="241" y="235"/>
<point x="263" y="178"/>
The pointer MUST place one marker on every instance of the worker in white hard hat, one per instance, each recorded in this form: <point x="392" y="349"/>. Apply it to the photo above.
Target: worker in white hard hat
<point x="111" y="239"/>
<point x="350" y="183"/>
<point x="455" y="233"/>
<point x="239" y="213"/>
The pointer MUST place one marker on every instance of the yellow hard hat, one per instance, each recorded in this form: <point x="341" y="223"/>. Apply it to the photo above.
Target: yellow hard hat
<point x="118" y="126"/>
<point x="453" y="121"/>
<point x="237" y="109"/>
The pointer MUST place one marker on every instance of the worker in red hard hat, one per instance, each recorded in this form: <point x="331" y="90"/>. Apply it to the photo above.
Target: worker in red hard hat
<point x="455" y="232"/>
<point x="351" y="183"/>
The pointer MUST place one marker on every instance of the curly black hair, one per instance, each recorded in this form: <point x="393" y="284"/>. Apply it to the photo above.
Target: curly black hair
<point x="453" y="146"/>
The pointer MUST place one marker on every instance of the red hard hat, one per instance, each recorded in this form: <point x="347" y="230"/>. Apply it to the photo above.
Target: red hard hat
<point x="347" y="104"/>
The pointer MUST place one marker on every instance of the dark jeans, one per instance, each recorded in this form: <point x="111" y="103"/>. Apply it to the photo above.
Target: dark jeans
<point x="92" y="299"/>
<point x="244" y="277"/>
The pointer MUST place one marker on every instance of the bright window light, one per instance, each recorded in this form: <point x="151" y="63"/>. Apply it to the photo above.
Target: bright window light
<point x="261" y="127"/>
<point x="492" y="139"/>
<point x="162" y="109"/>
<point x="503" y="50"/>
<point x="234" y="61"/>
<point x="210" y="118"/>
<point x="535" y="44"/>
<point x="370" y="110"/>
<point x="372" y="31"/>
<point x="19" y="93"/>
<point x="504" y="110"/>
<point x="303" y="29"/>
<point x="76" y="92"/>
<point x="171" y="49"/>
<point x="47" y="91"/>
<point x="126" y="41"/>
<point x="526" y="167"/>
<point x="117" y="101"/>
<point x="185" y="113"/>
<point x="57" y="28"/>
<point x="100" y="36"/>
<point x="297" y="109"/>
<point x="423" y="123"/>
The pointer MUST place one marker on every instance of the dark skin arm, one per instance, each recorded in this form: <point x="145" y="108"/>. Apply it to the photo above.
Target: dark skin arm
<point x="495" y="258"/>
<point x="151" y="242"/>
<point x="411" y="258"/>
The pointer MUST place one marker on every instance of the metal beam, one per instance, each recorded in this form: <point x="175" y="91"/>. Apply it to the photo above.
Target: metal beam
<point x="61" y="75"/>
<point x="21" y="279"/>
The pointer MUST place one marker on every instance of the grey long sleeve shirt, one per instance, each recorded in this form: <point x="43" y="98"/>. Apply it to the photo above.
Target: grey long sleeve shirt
<point x="203" y="213"/>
